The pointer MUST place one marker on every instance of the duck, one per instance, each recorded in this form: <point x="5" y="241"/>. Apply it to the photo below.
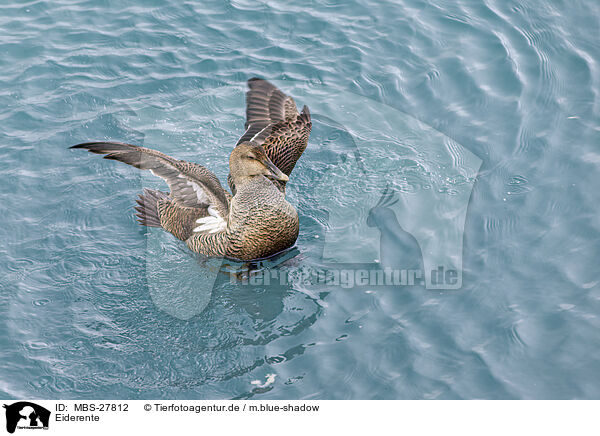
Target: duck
<point x="254" y="221"/>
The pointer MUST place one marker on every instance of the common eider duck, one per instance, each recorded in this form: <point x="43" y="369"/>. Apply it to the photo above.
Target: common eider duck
<point x="253" y="223"/>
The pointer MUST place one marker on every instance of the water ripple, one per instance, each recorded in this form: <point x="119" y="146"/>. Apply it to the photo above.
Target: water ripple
<point x="516" y="83"/>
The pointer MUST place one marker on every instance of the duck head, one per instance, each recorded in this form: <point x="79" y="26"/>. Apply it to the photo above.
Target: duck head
<point x="249" y="160"/>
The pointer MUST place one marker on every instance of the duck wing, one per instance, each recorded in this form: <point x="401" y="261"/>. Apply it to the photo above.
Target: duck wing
<point x="273" y="121"/>
<point x="191" y="184"/>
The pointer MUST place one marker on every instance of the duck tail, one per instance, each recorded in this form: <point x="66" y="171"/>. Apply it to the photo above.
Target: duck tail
<point x="147" y="208"/>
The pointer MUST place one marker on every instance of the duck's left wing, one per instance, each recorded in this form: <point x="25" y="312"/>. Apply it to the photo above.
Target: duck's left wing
<point x="191" y="184"/>
<point x="273" y="121"/>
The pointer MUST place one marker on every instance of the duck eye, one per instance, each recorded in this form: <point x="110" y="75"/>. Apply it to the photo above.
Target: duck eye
<point x="251" y="156"/>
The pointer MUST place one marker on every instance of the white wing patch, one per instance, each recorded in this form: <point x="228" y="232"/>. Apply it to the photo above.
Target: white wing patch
<point x="202" y="197"/>
<point x="260" y="131"/>
<point x="212" y="223"/>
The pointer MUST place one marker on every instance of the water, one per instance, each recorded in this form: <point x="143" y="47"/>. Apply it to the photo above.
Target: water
<point x="85" y="315"/>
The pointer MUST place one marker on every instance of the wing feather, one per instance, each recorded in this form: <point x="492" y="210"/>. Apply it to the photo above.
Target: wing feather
<point x="192" y="185"/>
<point x="273" y="121"/>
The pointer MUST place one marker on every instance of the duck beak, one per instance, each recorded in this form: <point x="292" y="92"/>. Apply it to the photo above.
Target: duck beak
<point x="275" y="172"/>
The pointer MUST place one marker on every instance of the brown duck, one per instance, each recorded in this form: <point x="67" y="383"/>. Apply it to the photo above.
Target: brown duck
<point x="257" y="221"/>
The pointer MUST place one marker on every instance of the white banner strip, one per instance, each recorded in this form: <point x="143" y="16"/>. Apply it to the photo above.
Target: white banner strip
<point x="157" y="417"/>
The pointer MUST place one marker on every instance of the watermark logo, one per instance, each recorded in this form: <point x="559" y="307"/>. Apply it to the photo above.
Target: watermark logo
<point x="346" y="278"/>
<point x="402" y="192"/>
<point x="26" y="415"/>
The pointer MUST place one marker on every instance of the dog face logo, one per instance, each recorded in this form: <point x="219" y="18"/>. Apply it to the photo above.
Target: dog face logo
<point x="26" y="415"/>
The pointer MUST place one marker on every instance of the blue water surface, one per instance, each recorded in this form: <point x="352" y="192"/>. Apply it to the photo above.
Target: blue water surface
<point x="87" y="310"/>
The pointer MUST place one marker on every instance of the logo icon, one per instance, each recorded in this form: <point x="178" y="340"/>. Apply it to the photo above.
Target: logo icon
<point x="26" y="415"/>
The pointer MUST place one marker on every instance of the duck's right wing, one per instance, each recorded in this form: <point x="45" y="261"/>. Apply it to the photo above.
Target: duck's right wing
<point x="191" y="185"/>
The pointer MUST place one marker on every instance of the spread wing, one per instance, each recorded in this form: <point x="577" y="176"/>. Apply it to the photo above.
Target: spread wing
<point x="191" y="185"/>
<point x="273" y="121"/>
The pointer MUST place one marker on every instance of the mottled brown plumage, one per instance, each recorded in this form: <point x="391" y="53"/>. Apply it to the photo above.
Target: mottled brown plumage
<point x="257" y="221"/>
<point x="273" y="121"/>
